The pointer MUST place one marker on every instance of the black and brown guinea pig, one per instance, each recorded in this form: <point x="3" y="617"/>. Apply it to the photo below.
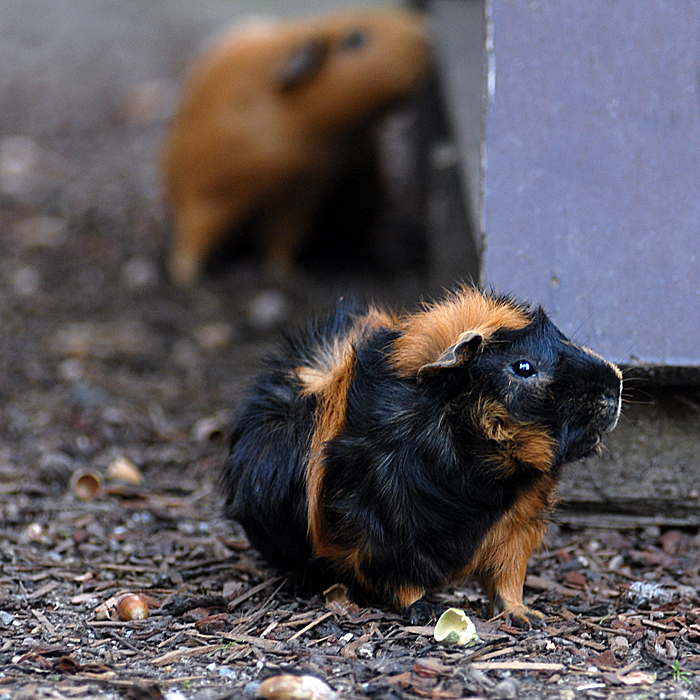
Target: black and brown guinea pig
<point x="398" y="453"/>
<point x="271" y="114"/>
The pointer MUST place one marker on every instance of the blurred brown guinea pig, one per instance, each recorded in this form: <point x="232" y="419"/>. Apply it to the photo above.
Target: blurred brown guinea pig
<point x="269" y="117"/>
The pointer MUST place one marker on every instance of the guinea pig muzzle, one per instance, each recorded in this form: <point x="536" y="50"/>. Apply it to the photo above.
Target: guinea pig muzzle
<point x="607" y="415"/>
<point x="611" y="410"/>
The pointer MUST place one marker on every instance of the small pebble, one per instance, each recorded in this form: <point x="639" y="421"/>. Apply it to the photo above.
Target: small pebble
<point x="6" y="618"/>
<point x="139" y="273"/>
<point x="213" y="336"/>
<point x="56" y="468"/>
<point x="71" y="370"/>
<point x="643" y="593"/>
<point x="506" y="689"/>
<point x="151" y="101"/>
<point x="267" y="309"/>
<point x="620" y="646"/>
<point x="25" y="281"/>
<point x="250" y="690"/>
<point x="34" y="532"/>
<point x="19" y="156"/>
<point x="40" y="231"/>
<point x="364" y="651"/>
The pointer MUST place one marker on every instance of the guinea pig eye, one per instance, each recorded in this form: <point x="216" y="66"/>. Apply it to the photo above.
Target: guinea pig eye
<point x="523" y="368"/>
<point x="355" y="39"/>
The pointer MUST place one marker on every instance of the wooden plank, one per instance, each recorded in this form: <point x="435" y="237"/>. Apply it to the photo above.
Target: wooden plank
<point x="592" y="182"/>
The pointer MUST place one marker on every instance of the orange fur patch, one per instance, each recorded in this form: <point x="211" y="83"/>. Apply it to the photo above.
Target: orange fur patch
<point x="329" y="379"/>
<point x="520" y="443"/>
<point x="501" y="559"/>
<point x="427" y="334"/>
<point x="405" y="596"/>
<point x="331" y="359"/>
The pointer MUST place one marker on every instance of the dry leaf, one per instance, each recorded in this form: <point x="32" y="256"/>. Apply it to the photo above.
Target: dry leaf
<point x="639" y="678"/>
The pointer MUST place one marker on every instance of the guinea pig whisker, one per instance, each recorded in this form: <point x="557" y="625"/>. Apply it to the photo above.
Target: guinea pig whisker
<point x="397" y="486"/>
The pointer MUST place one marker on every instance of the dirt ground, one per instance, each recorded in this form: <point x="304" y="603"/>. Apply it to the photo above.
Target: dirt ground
<point x="104" y="364"/>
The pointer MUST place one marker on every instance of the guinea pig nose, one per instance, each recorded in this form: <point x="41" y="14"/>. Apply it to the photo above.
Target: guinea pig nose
<point x="611" y="408"/>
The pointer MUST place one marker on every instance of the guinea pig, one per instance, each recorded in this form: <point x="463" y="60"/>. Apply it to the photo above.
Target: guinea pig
<point x="399" y="453"/>
<point x="270" y="116"/>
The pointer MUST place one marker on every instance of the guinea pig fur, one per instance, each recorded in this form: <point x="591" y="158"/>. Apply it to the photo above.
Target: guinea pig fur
<point x="399" y="453"/>
<point x="269" y="117"/>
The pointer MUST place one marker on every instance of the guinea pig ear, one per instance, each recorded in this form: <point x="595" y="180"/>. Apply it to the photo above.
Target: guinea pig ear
<point x="467" y="344"/>
<point x="301" y="65"/>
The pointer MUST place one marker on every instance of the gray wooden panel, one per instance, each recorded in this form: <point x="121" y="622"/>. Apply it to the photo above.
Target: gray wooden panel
<point x="458" y="33"/>
<point x="592" y="181"/>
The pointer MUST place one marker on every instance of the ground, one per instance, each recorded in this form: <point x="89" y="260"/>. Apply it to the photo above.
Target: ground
<point x="104" y="364"/>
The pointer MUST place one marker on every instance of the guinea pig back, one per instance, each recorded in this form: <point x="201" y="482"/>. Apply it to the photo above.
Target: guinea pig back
<point x="268" y="117"/>
<point x="399" y="453"/>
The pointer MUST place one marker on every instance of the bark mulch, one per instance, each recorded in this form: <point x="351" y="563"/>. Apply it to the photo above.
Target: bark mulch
<point x="622" y="613"/>
<point x="103" y="364"/>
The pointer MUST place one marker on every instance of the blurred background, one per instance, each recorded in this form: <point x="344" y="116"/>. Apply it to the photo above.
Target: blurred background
<point x="554" y="154"/>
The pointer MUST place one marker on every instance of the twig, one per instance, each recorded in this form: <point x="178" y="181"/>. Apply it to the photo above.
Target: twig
<point x="44" y="622"/>
<point x="310" y="626"/>
<point x="658" y="626"/>
<point x="178" y="654"/>
<point x="255" y="589"/>
<point x="516" y="666"/>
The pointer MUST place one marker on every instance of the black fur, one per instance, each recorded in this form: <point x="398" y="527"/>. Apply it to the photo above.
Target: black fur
<point x="411" y="474"/>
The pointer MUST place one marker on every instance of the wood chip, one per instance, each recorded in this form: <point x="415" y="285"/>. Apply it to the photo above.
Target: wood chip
<point x="585" y="642"/>
<point x="177" y="654"/>
<point x="638" y="678"/>
<point x="420" y="631"/>
<point x="251" y="592"/>
<point x="516" y="666"/>
<point x="500" y="652"/>
<point x="44" y="590"/>
<point x="44" y="622"/>
<point x="311" y="625"/>
<point x="267" y="644"/>
<point x="658" y="626"/>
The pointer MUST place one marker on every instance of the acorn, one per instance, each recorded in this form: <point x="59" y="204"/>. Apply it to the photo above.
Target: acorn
<point x="289" y="687"/>
<point x="86" y="485"/>
<point x="123" y="469"/>
<point x="132" y="607"/>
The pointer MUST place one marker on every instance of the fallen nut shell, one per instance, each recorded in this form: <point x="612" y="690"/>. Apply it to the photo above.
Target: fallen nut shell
<point x="86" y="485"/>
<point x="34" y="532"/>
<point x="132" y="607"/>
<point x="209" y="430"/>
<point x="454" y="627"/>
<point x="123" y="469"/>
<point x="102" y="612"/>
<point x="289" y="687"/>
<point x="337" y="593"/>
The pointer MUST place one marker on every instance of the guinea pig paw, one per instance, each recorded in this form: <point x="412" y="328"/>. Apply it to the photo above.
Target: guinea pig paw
<point x="421" y="613"/>
<point x="524" y="617"/>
